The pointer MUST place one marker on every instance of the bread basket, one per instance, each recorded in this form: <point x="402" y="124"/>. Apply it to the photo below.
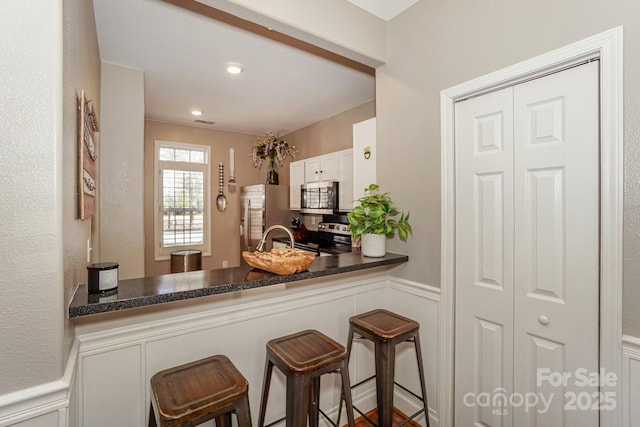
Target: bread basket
<point x="280" y="261"/>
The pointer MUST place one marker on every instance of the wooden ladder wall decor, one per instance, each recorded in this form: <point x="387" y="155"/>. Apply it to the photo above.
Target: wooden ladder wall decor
<point x="87" y="157"/>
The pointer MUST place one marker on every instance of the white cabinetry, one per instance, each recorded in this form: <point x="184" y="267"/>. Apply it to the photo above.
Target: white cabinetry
<point x="364" y="139"/>
<point x="345" y="179"/>
<point x="321" y="168"/>
<point x="296" y="179"/>
<point x="337" y="166"/>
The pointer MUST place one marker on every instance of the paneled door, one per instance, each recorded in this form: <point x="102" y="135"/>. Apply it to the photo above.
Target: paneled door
<point x="527" y="253"/>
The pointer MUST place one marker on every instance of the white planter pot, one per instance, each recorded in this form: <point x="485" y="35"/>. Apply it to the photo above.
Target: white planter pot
<point x="374" y="245"/>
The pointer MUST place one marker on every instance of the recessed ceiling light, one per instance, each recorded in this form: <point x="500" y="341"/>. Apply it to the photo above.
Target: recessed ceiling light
<point x="196" y="112"/>
<point x="234" y="67"/>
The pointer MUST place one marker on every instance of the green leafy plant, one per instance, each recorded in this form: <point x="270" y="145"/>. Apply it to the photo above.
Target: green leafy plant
<point x="376" y="215"/>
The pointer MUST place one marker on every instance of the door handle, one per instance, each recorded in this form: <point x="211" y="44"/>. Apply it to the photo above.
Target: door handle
<point x="544" y="320"/>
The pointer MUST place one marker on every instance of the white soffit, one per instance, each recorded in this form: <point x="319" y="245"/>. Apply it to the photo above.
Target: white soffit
<point x="385" y="9"/>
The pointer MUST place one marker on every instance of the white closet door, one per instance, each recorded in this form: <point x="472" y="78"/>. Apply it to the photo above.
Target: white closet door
<point x="527" y="251"/>
<point x="557" y="242"/>
<point x="484" y="256"/>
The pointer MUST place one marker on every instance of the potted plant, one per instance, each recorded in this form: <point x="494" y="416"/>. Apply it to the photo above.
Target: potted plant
<point x="375" y="220"/>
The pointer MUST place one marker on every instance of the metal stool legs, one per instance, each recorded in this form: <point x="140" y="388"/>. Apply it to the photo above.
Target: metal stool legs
<point x="303" y="358"/>
<point x="386" y="330"/>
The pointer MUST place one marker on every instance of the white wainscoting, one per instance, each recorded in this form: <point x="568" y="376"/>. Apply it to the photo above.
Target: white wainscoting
<point x="630" y="381"/>
<point x="45" y="405"/>
<point x="115" y="365"/>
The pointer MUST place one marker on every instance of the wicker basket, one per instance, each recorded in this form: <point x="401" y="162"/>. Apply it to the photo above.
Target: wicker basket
<point x="280" y="261"/>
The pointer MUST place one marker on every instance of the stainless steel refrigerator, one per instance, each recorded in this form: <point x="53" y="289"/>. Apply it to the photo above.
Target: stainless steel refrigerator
<point x="262" y="206"/>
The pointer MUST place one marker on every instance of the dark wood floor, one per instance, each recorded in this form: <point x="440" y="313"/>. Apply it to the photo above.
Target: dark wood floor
<point x="373" y="414"/>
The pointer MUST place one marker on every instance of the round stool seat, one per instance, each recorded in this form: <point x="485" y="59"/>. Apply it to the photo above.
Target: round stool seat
<point x="200" y="390"/>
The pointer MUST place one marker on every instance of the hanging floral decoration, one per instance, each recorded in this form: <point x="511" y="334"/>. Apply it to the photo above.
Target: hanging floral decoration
<point x="271" y="147"/>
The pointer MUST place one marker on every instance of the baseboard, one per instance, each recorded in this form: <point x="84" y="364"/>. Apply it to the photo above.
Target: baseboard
<point x="630" y="381"/>
<point x="43" y="399"/>
<point x="408" y="405"/>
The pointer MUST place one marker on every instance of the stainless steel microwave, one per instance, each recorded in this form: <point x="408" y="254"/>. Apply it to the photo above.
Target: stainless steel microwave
<point x="319" y="197"/>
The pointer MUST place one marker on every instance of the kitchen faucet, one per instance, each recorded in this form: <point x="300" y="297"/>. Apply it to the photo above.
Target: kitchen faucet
<point x="260" y="246"/>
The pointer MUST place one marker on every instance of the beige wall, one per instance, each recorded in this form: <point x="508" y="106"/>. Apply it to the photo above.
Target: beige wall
<point x="31" y="270"/>
<point x="81" y="72"/>
<point x="121" y="170"/>
<point x="332" y="134"/>
<point x="225" y="225"/>
<point x="432" y="47"/>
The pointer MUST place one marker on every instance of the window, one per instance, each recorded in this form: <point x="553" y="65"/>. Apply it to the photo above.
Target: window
<point x="182" y="177"/>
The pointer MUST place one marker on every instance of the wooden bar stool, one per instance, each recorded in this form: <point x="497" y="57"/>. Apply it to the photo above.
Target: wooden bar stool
<point x="386" y="330"/>
<point x="303" y="357"/>
<point x="196" y="392"/>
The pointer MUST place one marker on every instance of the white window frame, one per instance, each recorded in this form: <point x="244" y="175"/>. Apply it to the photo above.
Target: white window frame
<point x="160" y="252"/>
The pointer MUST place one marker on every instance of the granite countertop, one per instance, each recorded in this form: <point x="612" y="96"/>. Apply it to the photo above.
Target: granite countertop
<point x="149" y="291"/>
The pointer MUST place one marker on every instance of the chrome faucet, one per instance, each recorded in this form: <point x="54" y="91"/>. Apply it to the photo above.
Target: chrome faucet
<point x="260" y="246"/>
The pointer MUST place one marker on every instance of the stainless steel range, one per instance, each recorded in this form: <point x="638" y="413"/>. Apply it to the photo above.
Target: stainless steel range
<point x="330" y="239"/>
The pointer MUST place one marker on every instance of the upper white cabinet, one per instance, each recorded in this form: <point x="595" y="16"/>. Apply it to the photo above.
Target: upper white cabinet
<point x="321" y="168"/>
<point x="296" y="179"/>
<point x="336" y="166"/>
<point x="345" y="178"/>
<point x="364" y="165"/>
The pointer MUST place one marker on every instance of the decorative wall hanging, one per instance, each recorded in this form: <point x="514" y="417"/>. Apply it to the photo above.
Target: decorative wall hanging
<point x="88" y="126"/>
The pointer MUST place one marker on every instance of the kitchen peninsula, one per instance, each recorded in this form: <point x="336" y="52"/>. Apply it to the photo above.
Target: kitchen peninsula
<point x="166" y="288"/>
<point x="155" y="323"/>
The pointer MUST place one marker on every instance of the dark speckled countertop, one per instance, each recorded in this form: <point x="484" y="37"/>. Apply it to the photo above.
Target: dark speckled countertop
<point x="149" y="291"/>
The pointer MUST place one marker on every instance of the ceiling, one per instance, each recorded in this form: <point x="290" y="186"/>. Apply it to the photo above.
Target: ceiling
<point x="385" y="9"/>
<point x="183" y="53"/>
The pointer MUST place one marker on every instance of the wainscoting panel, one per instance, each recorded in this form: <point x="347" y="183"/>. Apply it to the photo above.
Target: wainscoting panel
<point x="630" y="381"/>
<point x="45" y="405"/>
<point x="421" y="303"/>
<point x="135" y="353"/>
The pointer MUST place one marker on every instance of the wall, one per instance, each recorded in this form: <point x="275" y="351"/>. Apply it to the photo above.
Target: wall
<point x="31" y="272"/>
<point x="225" y="225"/>
<point x="431" y="48"/>
<point x="332" y="134"/>
<point x="121" y="170"/>
<point x="81" y="71"/>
